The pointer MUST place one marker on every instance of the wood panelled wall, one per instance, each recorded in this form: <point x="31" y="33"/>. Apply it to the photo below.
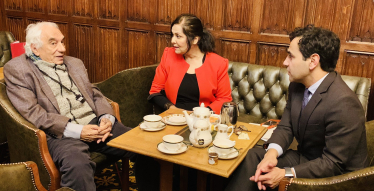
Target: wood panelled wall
<point x="113" y="35"/>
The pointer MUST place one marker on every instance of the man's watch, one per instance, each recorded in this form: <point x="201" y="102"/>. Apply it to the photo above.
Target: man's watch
<point x="289" y="173"/>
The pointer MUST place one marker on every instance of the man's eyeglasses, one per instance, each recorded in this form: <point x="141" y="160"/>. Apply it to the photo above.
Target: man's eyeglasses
<point x="240" y="129"/>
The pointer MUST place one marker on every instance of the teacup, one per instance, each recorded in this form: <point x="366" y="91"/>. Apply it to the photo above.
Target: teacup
<point x="173" y="142"/>
<point x="223" y="146"/>
<point x="152" y="121"/>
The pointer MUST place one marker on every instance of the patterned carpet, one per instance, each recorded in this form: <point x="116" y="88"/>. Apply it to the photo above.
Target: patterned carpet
<point x="109" y="179"/>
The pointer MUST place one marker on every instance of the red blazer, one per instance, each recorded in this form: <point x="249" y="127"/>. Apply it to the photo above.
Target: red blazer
<point x="212" y="78"/>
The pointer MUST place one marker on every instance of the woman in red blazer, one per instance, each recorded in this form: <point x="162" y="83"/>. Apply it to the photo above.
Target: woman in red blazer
<point x="190" y="73"/>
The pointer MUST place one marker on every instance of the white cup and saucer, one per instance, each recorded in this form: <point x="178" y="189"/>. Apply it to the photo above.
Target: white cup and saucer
<point x="172" y="144"/>
<point x="224" y="148"/>
<point x="152" y="123"/>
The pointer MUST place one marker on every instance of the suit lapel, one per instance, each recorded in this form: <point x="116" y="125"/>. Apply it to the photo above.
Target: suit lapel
<point x="79" y="83"/>
<point x="313" y="102"/>
<point x="44" y="85"/>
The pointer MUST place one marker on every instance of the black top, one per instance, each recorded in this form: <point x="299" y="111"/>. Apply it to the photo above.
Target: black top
<point x="188" y="93"/>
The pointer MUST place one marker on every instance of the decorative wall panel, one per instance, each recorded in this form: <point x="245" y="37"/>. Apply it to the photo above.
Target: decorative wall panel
<point x="205" y="11"/>
<point x="17" y="27"/>
<point x="168" y="10"/>
<point x="162" y="41"/>
<point x="138" y="49"/>
<point x="361" y="64"/>
<point x="237" y="15"/>
<point x="278" y="16"/>
<point x="271" y="54"/>
<point x="321" y="13"/>
<point x="362" y="25"/>
<point x="64" y="28"/>
<point x="59" y="7"/>
<point x="138" y="10"/>
<point x="235" y="50"/>
<point x="83" y="38"/>
<point x="13" y="5"/>
<point x="109" y="9"/>
<point x="35" y="5"/>
<point x="108" y="55"/>
<point x="83" y="8"/>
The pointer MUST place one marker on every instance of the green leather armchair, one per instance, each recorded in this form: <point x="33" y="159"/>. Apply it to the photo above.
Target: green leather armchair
<point x="5" y="53"/>
<point x="22" y="176"/>
<point x="27" y="143"/>
<point x="358" y="180"/>
<point x="129" y="88"/>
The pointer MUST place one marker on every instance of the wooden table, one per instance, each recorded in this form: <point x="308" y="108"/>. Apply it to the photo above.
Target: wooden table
<point x="145" y="143"/>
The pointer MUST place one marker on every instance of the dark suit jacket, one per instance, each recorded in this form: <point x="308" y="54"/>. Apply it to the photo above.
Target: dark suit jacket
<point x="33" y="98"/>
<point x="330" y="130"/>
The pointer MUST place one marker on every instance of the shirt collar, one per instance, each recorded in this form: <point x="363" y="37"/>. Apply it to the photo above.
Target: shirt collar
<point x="314" y="87"/>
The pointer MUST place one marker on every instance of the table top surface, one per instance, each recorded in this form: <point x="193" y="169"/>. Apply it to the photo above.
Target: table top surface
<point x="145" y="143"/>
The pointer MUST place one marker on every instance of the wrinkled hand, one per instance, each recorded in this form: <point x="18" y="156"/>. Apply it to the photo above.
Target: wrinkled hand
<point x="265" y="166"/>
<point x="90" y="133"/>
<point x="271" y="179"/>
<point x="105" y="129"/>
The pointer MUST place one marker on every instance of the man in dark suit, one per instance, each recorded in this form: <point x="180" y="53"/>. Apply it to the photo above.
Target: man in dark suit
<point x="322" y="113"/>
<point x="53" y="92"/>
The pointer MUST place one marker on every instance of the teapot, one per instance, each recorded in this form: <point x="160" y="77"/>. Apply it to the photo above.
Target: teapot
<point x="200" y="135"/>
<point x="199" y="113"/>
<point x="222" y="130"/>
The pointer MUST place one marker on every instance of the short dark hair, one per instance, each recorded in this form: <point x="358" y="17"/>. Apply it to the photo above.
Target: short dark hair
<point x="192" y="27"/>
<point x="321" y="41"/>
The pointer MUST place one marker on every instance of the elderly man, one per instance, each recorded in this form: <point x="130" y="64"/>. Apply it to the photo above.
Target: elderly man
<point x="54" y="93"/>
<point x="322" y="113"/>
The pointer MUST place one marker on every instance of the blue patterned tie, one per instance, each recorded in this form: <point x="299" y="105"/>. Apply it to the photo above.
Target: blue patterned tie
<point x="305" y="99"/>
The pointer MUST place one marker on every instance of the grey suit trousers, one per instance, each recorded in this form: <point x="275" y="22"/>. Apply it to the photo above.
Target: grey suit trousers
<point x="239" y="180"/>
<point x="72" y="157"/>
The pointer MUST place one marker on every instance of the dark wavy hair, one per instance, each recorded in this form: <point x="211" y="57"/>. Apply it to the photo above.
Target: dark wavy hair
<point x="192" y="27"/>
<point x="321" y="41"/>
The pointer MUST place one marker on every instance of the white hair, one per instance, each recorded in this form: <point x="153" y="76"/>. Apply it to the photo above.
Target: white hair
<point x="33" y="35"/>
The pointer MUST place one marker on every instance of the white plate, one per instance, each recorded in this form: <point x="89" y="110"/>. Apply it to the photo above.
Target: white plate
<point x="230" y="156"/>
<point x="162" y="149"/>
<point x="167" y="121"/>
<point x="145" y="128"/>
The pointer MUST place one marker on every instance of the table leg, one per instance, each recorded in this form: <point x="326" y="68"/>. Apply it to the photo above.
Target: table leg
<point x="166" y="175"/>
<point x="201" y="180"/>
<point x="183" y="178"/>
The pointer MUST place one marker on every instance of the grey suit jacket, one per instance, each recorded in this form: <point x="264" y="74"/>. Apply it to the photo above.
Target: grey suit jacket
<point x="33" y="98"/>
<point x="330" y="130"/>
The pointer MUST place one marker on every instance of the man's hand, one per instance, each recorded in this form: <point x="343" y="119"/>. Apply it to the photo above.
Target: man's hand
<point x="105" y="129"/>
<point x="266" y="165"/>
<point x="90" y="133"/>
<point x="271" y="179"/>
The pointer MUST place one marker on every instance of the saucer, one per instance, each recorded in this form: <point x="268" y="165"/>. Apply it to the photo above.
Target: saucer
<point x="145" y="128"/>
<point x="162" y="149"/>
<point x="169" y="119"/>
<point x="230" y="156"/>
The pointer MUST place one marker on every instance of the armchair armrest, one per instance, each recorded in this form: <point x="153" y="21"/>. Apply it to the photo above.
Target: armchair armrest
<point x="115" y="107"/>
<point x="359" y="180"/>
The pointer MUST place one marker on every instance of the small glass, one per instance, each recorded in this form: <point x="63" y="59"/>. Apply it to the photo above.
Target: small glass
<point x="213" y="158"/>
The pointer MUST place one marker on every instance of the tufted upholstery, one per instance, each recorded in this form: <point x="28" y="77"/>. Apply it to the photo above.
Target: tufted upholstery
<point x="5" y="54"/>
<point x="261" y="91"/>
